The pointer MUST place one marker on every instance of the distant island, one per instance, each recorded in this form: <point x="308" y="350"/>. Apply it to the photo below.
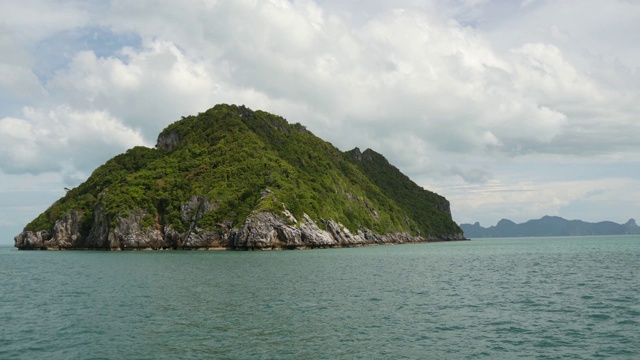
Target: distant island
<point x="234" y="178"/>
<point x="550" y="226"/>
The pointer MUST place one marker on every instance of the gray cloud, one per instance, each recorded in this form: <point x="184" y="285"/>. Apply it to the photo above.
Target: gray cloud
<point x="473" y="176"/>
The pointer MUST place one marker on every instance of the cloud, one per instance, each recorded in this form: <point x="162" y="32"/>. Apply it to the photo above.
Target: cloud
<point x="147" y="88"/>
<point x="34" y="20"/>
<point x="395" y="74"/>
<point x="473" y="175"/>
<point x="18" y="83"/>
<point x="61" y="139"/>
<point x="457" y="93"/>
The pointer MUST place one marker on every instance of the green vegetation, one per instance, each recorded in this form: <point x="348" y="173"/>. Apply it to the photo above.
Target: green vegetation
<point x="430" y="211"/>
<point x="243" y="161"/>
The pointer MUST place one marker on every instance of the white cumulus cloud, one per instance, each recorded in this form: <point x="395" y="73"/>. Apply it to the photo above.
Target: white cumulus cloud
<point x="49" y="140"/>
<point x="455" y="93"/>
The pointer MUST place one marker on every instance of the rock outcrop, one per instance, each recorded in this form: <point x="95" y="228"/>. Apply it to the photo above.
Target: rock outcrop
<point x="261" y="231"/>
<point x="168" y="141"/>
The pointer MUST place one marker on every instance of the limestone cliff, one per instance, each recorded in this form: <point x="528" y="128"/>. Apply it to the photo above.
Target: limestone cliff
<point x="261" y="231"/>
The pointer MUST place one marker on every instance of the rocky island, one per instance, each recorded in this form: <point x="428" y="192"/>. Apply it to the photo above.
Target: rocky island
<point x="233" y="178"/>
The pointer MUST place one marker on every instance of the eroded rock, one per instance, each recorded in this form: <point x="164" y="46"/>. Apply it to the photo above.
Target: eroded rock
<point x="261" y="231"/>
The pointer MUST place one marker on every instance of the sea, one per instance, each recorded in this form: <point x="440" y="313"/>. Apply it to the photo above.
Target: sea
<point x="510" y="298"/>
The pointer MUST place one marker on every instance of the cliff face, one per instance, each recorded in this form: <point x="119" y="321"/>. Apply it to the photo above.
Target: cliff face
<point x="261" y="231"/>
<point x="237" y="179"/>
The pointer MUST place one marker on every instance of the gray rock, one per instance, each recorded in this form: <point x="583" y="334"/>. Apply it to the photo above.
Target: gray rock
<point x="168" y="141"/>
<point x="100" y="237"/>
<point x="342" y="235"/>
<point x="261" y="231"/>
<point x="66" y="232"/>
<point x="130" y="234"/>
<point x="313" y="236"/>
<point x="266" y="230"/>
<point x="193" y="210"/>
<point x="30" y="240"/>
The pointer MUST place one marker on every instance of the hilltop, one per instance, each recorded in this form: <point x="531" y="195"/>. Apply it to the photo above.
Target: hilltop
<point x="550" y="226"/>
<point x="235" y="178"/>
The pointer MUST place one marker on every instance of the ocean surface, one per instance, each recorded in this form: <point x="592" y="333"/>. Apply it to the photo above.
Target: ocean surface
<point x="544" y="298"/>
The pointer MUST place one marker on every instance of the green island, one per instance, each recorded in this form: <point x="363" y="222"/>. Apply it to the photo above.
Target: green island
<point x="233" y="178"/>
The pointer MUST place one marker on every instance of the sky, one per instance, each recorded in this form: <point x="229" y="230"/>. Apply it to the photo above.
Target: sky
<point x="510" y="109"/>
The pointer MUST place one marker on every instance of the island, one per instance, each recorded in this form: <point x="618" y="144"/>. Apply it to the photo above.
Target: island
<point x="550" y="226"/>
<point x="234" y="178"/>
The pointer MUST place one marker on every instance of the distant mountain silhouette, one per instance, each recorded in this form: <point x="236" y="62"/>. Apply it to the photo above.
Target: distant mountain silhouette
<point x="550" y="226"/>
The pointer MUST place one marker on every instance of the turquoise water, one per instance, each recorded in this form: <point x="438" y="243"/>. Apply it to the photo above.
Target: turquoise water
<point x="546" y="298"/>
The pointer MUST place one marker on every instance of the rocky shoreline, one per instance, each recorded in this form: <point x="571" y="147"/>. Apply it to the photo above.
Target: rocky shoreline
<point x="261" y="231"/>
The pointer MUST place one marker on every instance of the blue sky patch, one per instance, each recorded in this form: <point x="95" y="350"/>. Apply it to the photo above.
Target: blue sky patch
<point x="56" y="51"/>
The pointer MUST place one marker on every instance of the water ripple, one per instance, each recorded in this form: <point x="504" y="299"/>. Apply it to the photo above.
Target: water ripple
<point x="509" y="298"/>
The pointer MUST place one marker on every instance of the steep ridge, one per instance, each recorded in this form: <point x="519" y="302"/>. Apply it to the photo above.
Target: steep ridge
<point x="233" y="178"/>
